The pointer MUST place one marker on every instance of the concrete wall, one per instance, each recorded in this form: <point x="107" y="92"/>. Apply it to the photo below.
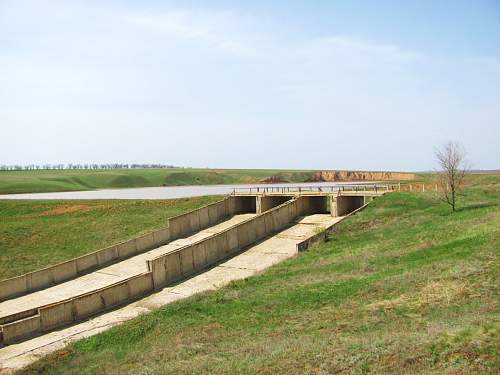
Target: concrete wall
<point x="196" y="220"/>
<point x="46" y="277"/>
<point x="343" y="204"/>
<point x="21" y="329"/>
<point x="190" y="259"/>
<point x="77" y="308"/>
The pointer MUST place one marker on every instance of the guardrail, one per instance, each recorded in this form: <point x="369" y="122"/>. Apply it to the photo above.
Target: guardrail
<point x="316" y="189"/>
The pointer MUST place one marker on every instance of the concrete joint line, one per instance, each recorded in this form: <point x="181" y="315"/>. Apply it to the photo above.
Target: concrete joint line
<point x="239" y="268"/>
<point x="106" y="273"/>
<point x="291" y="237"/>
<point x="178" y="293"/>
<point x="275" y="253"/>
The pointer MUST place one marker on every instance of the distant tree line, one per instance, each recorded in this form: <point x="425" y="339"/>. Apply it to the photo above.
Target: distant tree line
<point x="34" y="167"/>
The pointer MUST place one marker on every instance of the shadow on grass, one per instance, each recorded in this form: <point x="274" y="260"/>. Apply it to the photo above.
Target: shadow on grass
<point x="469" y="207"/>
<point x="476" y="206"/>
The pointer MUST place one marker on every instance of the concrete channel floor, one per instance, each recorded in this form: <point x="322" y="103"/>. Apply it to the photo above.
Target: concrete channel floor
<point x="252" y="261"/>
<point x="107" y="275"/>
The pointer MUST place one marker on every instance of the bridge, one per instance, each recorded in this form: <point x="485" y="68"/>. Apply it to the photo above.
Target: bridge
<point x="338" y="200"/>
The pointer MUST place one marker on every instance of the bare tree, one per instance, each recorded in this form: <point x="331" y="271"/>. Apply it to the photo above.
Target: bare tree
<point x="452" y="170"/>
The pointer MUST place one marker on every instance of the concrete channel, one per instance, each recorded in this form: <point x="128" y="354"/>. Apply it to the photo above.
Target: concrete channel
<point x="200" y="250"/>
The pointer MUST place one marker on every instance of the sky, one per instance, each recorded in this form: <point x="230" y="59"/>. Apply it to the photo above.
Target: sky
<point x="367" y="85"/>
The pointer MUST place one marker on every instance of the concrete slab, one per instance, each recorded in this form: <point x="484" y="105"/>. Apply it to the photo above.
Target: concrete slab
<point x="299" y="231"/>
<point x="276" y="245"/>
<point x="256" y="261"/>
<point x="318" y="219"/>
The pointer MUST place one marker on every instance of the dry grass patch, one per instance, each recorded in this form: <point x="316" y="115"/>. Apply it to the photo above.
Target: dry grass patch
<point x="435" y="293"/>
<point x="69" y="209"/>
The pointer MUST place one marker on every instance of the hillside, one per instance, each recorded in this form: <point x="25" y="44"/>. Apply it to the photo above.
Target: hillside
<point x="405" y="286"/>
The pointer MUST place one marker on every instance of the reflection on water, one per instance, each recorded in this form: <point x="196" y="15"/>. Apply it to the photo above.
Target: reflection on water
<point x="163" y="192"/>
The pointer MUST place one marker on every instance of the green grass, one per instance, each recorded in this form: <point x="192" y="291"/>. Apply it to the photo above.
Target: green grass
<point x="403" y="287"/>
<point x="71" y="180"/>
<point x="36" y="234"/>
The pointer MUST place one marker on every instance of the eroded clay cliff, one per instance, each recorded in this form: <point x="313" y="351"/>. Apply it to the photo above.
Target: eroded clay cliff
<point x="328" y="176"/>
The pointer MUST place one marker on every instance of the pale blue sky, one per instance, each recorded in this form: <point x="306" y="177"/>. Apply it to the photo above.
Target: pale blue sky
<point x="262" y="84"/>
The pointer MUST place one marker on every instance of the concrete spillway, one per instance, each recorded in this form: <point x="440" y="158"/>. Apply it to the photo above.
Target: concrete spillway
<point x="200" y="250"/>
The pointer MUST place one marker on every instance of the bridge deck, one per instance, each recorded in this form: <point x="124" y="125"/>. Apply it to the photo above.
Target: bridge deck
<point x="311" y="193"/>
<point x="366" y="189"/>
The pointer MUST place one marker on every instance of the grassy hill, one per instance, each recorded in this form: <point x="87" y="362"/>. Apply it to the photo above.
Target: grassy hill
<point x="403" y="287"/>
<point x="36" y="234"/>
<point x="71" y="180"/>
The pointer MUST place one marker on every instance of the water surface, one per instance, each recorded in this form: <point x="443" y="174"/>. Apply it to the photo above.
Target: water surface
<point x="168" y="192"/>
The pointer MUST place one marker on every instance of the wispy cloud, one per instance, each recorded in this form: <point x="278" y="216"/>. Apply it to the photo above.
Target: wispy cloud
<point x="213" y="29"/>
<point x="355" y="52"/>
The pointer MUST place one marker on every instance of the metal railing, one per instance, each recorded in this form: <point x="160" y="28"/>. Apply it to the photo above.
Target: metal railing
<point x="377" y="188"/>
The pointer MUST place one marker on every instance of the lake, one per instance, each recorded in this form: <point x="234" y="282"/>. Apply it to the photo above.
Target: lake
<point x="167" y="192"/>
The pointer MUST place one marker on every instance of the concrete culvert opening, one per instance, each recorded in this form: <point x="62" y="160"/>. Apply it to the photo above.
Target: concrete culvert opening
<point x="317" y="205"/>
<point x="343" y="205"/>
<point x="246" y="205"/>
<point x="266" y="202"/>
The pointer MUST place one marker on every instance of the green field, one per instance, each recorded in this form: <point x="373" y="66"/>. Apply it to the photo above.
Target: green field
<point x="36" y="234"/>
<point x="72" y="180"/>
<point x="403" y="287"/>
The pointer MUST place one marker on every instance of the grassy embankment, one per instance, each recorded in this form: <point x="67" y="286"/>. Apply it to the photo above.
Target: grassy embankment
<point x="71" y="180"/>
<point x="405" y="286"/>
<point x="36" y="234"/>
